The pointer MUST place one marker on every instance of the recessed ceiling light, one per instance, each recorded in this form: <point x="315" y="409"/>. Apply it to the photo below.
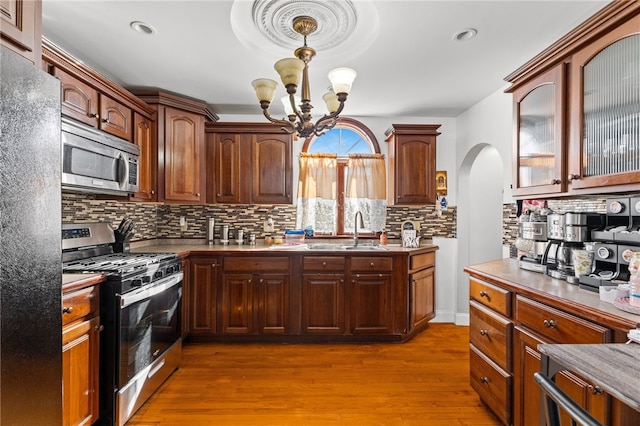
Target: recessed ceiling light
<point x="143" y="28"/>
<point x="466" y="34"/>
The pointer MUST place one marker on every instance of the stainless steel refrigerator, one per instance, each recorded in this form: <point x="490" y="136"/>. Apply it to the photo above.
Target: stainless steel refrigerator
<point x="30" y="245"/>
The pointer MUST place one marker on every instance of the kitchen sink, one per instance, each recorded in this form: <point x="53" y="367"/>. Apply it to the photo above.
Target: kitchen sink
<point x="337" y="247"/>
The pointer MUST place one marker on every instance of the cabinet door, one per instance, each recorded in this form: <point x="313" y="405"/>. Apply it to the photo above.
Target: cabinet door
<point x="237" y="303"/>
<point x="80" y="372"/>
<point x="415" y="169"/>
<point x="323" y="303"/>
<point x="183" y="155"/>
<point x="115" y="118"/>
<point x="422" y="294"/>
<point x="605" y="128"/>
<point x="271" y="303"/>
<point x="371" y="303"/>
<point x="271" y="169"/>
<point x="147" y="164"/>
<point x="539" y="140"/>
<point x="228" y="179"/>
<point x="21" y="27"/>
<point x="203" y="289"/>
<point x="78" y="100"/>
<point x="527" y="391"/>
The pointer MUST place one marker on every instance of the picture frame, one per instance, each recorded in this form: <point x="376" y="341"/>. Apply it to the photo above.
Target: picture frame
<point x="441" y="182"/>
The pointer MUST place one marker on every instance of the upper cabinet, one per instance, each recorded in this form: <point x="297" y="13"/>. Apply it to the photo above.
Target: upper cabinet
<point x="180" y="147"/>
<point x="412" y="163"/>
<point x="248" y="163"/>
<point x="21" y="27"/>
<point x="577" y="110"/>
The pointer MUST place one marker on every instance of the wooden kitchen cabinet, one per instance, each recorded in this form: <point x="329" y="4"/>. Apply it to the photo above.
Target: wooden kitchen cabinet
<point x="412" y="163"/>
<point x="323" y="293"/>
<point x="82" y="102"/>
<point x="143" y="136"/>
<point x="575" y="110"/>
<point x="422" y="289"/>
<point x="179" y="137"/>
<point x="21" y="27"/>
<point x="255" y="295"/>
<point x="80" y="355"/>
<point x="371" y="285"/>
<point x="203" y="295"/>
<point x="252" y="164"/>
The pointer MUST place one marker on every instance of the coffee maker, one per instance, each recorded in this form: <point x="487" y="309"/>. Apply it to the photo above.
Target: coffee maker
<point x="532" y="243"/>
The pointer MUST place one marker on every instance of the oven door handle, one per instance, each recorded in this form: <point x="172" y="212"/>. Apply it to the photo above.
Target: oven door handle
<point x="150" y="291"/>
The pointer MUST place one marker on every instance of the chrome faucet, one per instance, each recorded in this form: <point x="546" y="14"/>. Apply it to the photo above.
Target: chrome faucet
<point x="355" y="232"/>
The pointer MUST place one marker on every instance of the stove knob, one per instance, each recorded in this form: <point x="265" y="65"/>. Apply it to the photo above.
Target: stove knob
<point x="136" y="282"/>
<point x="158" y="274"/>
<point x="169" y="270"/>
<point x="146" y="279"/>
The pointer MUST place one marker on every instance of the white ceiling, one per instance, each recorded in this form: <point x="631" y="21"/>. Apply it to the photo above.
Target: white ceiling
<point x="403" y="50"/>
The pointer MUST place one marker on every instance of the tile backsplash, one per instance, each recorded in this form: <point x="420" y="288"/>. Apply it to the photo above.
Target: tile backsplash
<point x="156" y="220"/>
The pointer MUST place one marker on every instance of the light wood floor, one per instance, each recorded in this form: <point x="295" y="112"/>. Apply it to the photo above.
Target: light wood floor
<point x="422" y="382"/>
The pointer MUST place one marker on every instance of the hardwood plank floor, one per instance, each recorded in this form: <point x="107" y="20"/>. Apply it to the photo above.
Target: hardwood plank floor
<point x="422" y="382"/>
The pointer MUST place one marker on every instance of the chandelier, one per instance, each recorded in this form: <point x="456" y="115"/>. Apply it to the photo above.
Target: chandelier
<point x="299" y="116"/>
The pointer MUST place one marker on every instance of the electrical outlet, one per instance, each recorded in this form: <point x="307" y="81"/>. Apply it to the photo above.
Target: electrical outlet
<point x="183" y="224"/>
<point x="269" y="225"/>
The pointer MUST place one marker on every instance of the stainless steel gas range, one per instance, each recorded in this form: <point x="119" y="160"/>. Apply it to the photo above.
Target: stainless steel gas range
<point x="140" y="305"/>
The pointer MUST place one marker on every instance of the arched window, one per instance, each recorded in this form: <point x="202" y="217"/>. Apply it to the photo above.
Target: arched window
<point x="342" y="172"/>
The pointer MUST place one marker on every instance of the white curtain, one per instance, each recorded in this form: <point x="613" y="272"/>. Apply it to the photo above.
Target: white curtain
<point x="317" y="188"/>
<point x="366" y="191"/>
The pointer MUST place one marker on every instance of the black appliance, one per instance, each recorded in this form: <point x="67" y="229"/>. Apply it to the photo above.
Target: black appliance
<point x="30" y="269"/>
<point x="140" y="309"/>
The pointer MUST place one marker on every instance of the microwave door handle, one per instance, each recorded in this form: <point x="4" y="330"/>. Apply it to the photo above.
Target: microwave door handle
<point x="123" y="170"/>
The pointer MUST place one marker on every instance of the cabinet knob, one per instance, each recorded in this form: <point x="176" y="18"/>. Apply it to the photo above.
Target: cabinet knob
<point x="67" y="309"/>
<point x="484" y="294"/>
<point x="484" y="379"/>
<point x="372" y="264"/>
<point x="549" y="323"/>
<point x="595" y="390"/>
<point x="197" y="194"/>
<point x="484" y="332"/>
<point x="574" y="177"/>
<point x="99" y="328"/>
<point x="217" y="195"/>
<point x="153" y="192"/>
<point x="94" y="115"/>
<point x="556" y="181"/>
<point x="324" y="263"/>
<point x="261" y="280"/>
<point x="105" y="120"/>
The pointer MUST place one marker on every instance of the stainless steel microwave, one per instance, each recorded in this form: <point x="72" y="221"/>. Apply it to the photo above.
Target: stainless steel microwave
<point x="96" y="162"/>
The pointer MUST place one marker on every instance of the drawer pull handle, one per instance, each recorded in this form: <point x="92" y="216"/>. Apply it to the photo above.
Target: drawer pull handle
<point x="484" y="379"/>
<point x="99" y="328"/>
<point x="484" y="294"/>
<point x="67" y="309"/>
<point x="549" y="323"/>
<point x="372" y="264"/>
<point x="596" y="390"/>
<point x="484" y="332"/>
<point x="324" y="263"/>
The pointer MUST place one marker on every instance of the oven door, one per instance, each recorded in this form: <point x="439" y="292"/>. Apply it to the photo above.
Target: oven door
<point x="150" y="322"/>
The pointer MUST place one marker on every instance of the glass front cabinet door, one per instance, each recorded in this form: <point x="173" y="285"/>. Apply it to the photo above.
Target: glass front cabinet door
<point x="539" y="108"/>
<point x="605" y="117"/>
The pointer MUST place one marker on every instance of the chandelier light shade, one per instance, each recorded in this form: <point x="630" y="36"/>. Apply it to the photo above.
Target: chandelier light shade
<point x="298" y="108"/>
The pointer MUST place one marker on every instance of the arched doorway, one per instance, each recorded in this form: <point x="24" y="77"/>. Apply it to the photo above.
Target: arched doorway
<point x="480" y="186"/>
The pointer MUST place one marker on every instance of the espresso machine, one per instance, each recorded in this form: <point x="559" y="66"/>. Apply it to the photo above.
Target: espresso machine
<point x="532" y="245"/>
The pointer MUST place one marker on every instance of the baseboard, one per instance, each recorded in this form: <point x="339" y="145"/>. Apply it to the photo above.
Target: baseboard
<point x="462" y="319"/>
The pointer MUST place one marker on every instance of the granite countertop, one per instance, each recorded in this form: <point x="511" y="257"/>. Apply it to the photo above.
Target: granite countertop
<point x="619" y="376"/>
<point x="183" y="248"/>
<point x="586" y="303"/>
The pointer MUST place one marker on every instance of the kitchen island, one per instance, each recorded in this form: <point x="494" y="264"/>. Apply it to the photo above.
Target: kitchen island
<point x="512" y="312"/>
<point x="319" y="292"/>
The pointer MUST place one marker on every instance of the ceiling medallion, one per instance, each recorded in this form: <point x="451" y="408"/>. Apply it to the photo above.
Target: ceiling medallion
<point x="336" y="21"/>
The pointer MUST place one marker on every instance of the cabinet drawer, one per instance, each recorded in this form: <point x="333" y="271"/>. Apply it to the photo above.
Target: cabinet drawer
<point x="491" y="296"/>
<point x="492" y="384"/>
<point x="256" y="264"/>
<point x="371" y="264"/>
<point x="323" y="263"/>
<point x="557" y="325"/>
<point x="80" y="303"/>
<point x="423" y="260"/>
<point x="491" y="333"/>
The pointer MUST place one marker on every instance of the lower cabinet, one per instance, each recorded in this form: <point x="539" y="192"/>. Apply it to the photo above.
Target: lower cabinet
<point x="255" y="302"/>
<point x="322" y="308"/>
<point x="351" y="297"/>
<point x="80" y="356"/>
<point x="202" y="295"/>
